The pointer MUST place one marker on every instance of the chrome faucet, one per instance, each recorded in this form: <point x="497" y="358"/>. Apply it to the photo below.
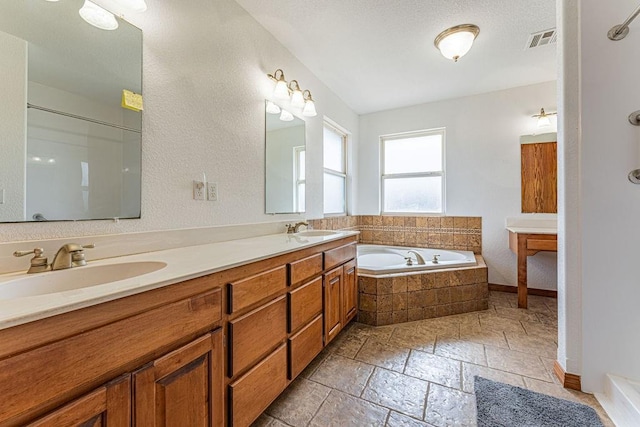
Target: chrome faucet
<point x="295" y="228"/>
<point x="70" y="255"/>
<point x="419" y="257"/>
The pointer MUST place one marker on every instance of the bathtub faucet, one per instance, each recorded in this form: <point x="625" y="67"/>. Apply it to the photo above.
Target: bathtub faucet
<point x="419" y="257"/>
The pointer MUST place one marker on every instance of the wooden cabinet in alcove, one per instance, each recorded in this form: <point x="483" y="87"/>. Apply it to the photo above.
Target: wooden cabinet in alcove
<point x="539" y="176"/>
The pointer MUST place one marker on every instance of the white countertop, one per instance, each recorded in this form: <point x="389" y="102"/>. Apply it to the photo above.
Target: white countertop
<point x="182" y="264"/>
<point x="533" y="230"/>
<point x="530" y="224"/>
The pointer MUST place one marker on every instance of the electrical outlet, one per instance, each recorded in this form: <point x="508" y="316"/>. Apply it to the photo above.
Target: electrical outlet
<point x="212" y="191"/>
<point x="198" y="190"/>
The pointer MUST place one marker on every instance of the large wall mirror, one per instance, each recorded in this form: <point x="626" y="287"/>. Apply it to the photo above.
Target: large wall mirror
<point x="284" y="161"/>
<point x="70" y="150"/>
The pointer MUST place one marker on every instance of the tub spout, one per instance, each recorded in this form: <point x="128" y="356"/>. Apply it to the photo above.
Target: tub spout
<point x="419" y="257"/>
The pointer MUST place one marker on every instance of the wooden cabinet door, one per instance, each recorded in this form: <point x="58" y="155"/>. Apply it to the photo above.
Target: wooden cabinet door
<point x="539" y="176"/>
<point x="109" y="405"/>
<point x="332" y="303"/>
<point x="183" y="388"/>
<point x="350" y="293"/>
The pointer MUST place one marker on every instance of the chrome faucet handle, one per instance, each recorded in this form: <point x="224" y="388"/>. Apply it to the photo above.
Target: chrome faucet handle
<point x="39" y="262"/>
<point x="435" y="258"/>
<point x="290" y="228"/>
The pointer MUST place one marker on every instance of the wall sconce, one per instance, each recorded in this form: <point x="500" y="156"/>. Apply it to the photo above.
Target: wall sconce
<point x="272" y="108"/>
<point x="543" y="118"/>
<point x="293" y="92"/>
<point x="456" y="41"/>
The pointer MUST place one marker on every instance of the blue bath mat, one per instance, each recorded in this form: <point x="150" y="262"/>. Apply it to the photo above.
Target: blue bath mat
<point x="504" y="405"/>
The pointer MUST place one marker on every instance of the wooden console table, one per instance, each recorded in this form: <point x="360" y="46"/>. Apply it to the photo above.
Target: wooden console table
<point x="524" y="243"/>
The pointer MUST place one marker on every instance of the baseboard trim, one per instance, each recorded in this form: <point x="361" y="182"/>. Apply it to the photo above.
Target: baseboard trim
<point x="530" y="291"/>
<point x="570" y="381"/>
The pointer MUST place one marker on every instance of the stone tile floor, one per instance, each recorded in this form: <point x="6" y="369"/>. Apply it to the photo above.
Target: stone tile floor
<point x="421" y="373"/>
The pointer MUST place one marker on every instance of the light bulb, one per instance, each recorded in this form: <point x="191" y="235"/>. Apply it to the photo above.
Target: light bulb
<point x="286" y="116"/>
<point x="309" y="109"/>
<point x="97" y="16"/>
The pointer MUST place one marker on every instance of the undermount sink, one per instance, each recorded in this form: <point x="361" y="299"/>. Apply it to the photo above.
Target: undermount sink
<point x="316" y="233"/>
<point x="53" y="282"/>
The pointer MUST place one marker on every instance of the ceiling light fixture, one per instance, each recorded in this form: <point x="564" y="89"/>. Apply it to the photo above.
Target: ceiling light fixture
<point x="456" y="41"/>
<point x="294" y="93"/>
<point x="97" y="16"/>
<point x="543" y="118"/>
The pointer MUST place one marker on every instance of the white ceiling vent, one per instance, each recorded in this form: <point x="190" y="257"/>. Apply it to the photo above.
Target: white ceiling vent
<point x="542" y="38"/>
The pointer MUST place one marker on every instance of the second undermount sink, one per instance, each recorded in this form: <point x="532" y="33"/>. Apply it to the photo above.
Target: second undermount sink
<point x="317" y="233"/>
<point x="53" y="282"/>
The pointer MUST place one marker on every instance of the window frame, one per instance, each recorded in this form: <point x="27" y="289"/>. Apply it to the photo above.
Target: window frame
<point x="296" y="177"/>
<point x="345" y="165"/>
<point x="406" y="135"/>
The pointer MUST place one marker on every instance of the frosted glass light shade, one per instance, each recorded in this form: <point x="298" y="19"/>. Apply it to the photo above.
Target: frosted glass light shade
<point x="97" y="16"/>
<point x="456" y="42"/>
<point x="281" y="91"/>
<point x="286" y="116"/>
<point x="297" y="99"/>
<point x="544" y="121"/>
<point x="309" y="109"/>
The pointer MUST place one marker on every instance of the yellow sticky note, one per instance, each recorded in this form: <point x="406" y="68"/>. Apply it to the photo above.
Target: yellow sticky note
<point x="132" y="100"/>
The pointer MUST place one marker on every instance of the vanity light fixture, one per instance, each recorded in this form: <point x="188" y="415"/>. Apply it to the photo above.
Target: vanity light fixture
<point x="293" y="92"/>
<point x="281" y="91"/>
<point x="297" y="100"/>
<point x="272" y="108"/>
<point x="543" y="118"/>
<point x="456" y="41"/>
<point x="309" y="109"/>
<point x="97" y="16"/>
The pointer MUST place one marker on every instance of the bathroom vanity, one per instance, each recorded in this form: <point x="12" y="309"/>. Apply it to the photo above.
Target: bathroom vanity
<point x="214" y="350"/>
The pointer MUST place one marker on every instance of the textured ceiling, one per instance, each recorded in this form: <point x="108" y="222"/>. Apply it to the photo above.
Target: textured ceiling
<point x="379" y="54"/>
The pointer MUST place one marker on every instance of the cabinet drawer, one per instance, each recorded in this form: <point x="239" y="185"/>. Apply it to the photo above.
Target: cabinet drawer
<point x="305" y="303"/>
<point x="304" y="346"/>
<point x="254" y="334"/>
<point x="253" y="392"/>
<point x="246" y="292"/>
<point x="339" y="255"/>
<point x="305" y="268"/>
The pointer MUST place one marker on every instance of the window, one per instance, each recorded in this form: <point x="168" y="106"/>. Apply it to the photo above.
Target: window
<point x="299" y="180"/>
<point x="335" y="171"/>
<point x="413" y="172"/>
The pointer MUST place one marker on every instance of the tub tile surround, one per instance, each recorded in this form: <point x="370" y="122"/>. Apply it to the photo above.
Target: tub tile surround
<point x="403" y="298"/>
<point x="437" y="232"/>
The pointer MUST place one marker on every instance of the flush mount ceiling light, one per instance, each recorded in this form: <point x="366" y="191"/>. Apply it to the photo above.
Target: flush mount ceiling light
<point x="292" y="91"/>
<point x="543" y="118"/>
<point x="97" y="16"/>
<point x="456" y="41"/>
